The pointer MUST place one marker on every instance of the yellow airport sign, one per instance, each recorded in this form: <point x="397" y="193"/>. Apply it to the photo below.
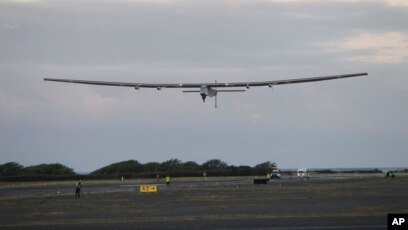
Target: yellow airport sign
<point x="148" y="188"/>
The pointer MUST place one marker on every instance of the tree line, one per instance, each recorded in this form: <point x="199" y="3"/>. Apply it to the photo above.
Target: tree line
<point x="175" y="167"/>
<point x="13" y="171"/>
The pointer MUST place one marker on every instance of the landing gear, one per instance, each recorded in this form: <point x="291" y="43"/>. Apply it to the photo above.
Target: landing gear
<point x="203" y="96"/>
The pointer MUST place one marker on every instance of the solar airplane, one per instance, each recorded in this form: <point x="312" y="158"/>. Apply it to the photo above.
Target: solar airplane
<point x="208" y="89"/>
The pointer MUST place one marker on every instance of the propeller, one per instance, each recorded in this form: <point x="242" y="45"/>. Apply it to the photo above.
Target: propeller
<point x="215" y="95"/>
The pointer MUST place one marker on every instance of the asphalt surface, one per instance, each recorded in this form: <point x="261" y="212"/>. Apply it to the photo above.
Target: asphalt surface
<point x="329" y="202"/>
<point x="21" y="190"/>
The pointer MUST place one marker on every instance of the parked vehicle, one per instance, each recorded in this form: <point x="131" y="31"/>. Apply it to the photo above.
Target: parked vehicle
<point x="302" y="172"/>
<point x="276" y="174"/>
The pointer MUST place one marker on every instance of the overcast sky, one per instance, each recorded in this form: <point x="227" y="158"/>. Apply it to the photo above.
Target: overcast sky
<point x="356" y="122"/>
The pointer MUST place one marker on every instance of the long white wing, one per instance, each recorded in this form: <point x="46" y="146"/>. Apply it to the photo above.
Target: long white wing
<point x="197" y="85"/>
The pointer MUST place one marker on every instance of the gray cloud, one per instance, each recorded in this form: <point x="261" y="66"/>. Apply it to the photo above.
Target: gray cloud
<point x="345" y="123"/>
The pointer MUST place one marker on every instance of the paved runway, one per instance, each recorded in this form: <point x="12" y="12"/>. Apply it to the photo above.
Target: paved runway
<point x="224" y="203"/>
<point x="21" y="190"/>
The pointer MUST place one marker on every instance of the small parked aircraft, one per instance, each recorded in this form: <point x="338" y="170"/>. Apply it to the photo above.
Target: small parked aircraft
<point x="208" y="89"/>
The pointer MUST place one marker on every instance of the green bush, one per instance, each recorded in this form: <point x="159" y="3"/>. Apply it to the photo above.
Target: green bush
<point x="11" y="169"/>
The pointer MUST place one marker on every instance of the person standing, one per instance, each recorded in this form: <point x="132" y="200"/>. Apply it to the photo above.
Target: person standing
<point x="78" y="189"/>
<point x="167" y="180"/>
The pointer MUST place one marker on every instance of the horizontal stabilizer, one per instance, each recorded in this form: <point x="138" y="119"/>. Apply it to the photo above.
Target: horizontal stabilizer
<point x="231" y="90"/>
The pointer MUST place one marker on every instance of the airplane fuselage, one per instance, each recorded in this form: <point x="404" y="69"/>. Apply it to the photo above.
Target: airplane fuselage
<point x="207" y="91"/>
